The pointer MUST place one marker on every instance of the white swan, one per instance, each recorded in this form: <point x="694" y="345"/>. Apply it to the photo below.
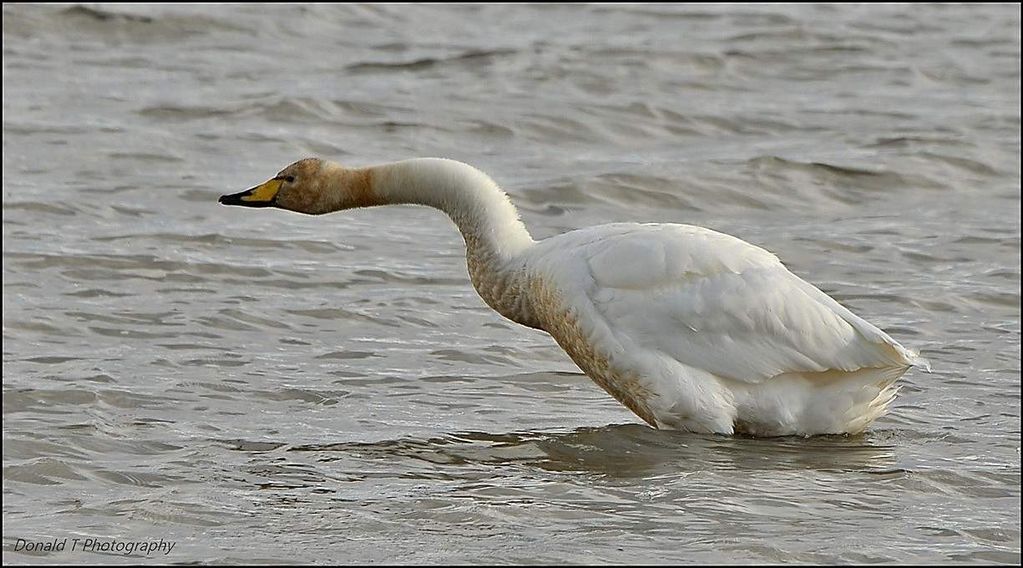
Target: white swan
<point x="689" y="328"/>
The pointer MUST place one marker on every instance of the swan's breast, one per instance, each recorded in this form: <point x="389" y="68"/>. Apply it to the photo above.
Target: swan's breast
<point x="504" y="289"/>
<point x="557" y="318"/>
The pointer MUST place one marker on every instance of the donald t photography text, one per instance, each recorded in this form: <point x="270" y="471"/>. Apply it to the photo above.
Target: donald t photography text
<point x="125" y="547"/>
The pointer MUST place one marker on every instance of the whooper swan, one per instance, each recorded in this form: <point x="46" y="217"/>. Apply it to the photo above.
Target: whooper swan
<point x="689" y="328"/>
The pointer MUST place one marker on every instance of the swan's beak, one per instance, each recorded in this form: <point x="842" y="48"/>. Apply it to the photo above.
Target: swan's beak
<point x="259" y="196"/>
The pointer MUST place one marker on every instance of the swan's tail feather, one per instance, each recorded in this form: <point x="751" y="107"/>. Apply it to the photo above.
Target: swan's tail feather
<point x="913" y="359"/>
<point x="874" y="393"/>
<point x="803" y="404"/>
<point x="918" y="361"/>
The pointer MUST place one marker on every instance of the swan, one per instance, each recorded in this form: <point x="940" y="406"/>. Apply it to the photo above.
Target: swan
<point x="689" y="328"/>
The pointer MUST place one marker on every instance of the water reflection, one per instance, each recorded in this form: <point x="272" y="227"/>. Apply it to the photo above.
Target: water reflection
<point x="618" y="450"/>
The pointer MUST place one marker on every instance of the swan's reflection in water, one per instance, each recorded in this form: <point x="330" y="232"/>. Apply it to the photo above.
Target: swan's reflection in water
<point x="619" y="450"/>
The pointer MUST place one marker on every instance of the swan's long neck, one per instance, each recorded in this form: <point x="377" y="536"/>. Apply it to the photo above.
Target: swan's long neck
<point x="494" y="236"/>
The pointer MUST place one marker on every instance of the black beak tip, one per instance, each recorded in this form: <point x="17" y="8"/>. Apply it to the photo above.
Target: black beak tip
<point x="231" y="199"/>
<point x="239" y="199"/>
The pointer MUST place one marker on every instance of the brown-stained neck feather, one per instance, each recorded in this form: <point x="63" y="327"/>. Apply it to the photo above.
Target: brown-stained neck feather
<point x="360" y="188"/>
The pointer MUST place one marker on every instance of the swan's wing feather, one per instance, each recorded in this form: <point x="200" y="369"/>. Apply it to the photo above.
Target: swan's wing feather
<point x="717" y="303"/>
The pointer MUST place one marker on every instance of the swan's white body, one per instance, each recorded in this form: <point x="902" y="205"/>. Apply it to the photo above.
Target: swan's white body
<point x="718" y="332"/>
<point x="690" y="328"/>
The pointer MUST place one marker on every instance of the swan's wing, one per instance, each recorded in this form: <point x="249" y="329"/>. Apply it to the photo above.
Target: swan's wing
<point x="714" y="302"/>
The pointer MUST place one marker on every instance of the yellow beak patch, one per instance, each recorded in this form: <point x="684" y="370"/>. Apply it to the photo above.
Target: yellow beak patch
<point x="259" y="196"/>
<point x="265" y="192"/>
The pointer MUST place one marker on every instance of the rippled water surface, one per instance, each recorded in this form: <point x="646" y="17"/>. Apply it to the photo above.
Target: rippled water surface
<point x="258" y="386"/>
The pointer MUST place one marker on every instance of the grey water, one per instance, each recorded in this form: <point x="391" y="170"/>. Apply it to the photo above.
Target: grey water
<point x="260" y="386"/>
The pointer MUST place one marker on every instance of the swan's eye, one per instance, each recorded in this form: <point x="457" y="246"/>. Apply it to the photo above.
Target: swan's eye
<point x="289" y="179"/>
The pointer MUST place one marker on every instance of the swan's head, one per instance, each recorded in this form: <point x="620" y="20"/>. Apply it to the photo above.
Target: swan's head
<point x="312" y="186"/>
